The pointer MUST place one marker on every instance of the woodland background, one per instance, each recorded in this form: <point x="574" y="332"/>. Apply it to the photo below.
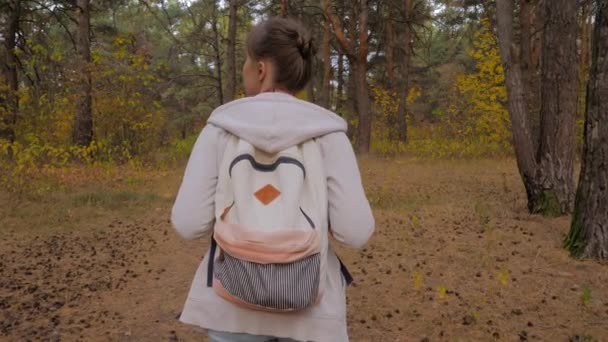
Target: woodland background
<point x="470" y="118"/>
<point x="135" y="81"/>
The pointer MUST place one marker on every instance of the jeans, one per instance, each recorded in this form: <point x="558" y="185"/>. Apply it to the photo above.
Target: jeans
<point x="221" y="336"/>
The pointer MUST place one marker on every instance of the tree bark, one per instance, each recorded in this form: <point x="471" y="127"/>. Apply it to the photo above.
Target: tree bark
<point x="522" y="140"/>
<point x="325" y="90"/>
<point x="525" y="22"/>
<point x="404" y="86"/>
<point x="547" y="172"/>
<point x="392" y="86"/>
<point x="535" y="63"/>
<point x="340" y="86"/>
<point x="217" y="53"/>
<point x="390" y="52"/>
<point x="585" y="56"/>
<point x="531" y="34"/>
<point x="357" y="62"/>
<point x="310" y="91"/>
<point x="559" y="100"/>
<point x="230" y="91"/>
<point x="10" y="98"/>
<point x="588" y="236"/>
<point x="365" y="122"/>
<point x="351" y="100"/>
<point x="284" y="8"/>
<point x="82" y="131"/>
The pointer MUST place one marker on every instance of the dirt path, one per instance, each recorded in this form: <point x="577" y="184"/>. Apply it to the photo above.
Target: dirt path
<point x="455" y="258"/>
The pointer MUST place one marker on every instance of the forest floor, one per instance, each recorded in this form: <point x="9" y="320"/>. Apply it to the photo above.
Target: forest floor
<point x="455" y="257"/>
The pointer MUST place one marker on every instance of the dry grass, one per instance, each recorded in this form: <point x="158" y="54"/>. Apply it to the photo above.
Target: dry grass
<point x="455" y="258"/>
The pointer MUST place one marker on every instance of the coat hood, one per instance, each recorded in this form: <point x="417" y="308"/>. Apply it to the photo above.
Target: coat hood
<point x="275" y="121"/>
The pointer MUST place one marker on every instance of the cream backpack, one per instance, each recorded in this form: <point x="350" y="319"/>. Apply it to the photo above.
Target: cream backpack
<point x="270" y="240"/>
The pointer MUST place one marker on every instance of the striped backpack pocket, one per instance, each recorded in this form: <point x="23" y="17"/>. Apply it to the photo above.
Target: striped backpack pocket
<point x="270" y="241"/>
<point x="271" y="271"/>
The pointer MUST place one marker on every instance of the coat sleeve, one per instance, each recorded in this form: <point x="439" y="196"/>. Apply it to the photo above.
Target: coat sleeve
<point x="350" y="215"/>
<point x="193" y="213"/>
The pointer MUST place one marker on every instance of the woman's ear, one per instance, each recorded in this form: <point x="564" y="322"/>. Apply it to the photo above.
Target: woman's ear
<point x="262" y="70"/>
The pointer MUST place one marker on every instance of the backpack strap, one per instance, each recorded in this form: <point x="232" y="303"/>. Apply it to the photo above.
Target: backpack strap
<point x="347" y="276"/>
<point x="211" y="262"/>
<point x="212" y="249"/>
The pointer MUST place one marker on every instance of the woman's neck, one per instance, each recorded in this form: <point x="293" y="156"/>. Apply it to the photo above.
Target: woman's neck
<point x="275" y="89"/>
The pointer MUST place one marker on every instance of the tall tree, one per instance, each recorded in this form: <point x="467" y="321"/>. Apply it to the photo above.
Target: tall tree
<point x="9" y="98"/>
<point x="340" y="85"/>
<point x="341" y="72"/>
<point x="365" y="120"/>
<point x="531" y="19"/>
<point x="284" y="8"/>
<point x="82" y="131"/>
<point x="216" y="51"/>
<point x="544" y="160"/>
<point x="404" y="84"/>
<point x="586" y="33"/>
<point x="230" y="91"/>
<point x="356" y="52"/>
<point x="559" y="100"/>
<point x="588" y="236"/>
<point x="522" y="138"/>
<point x="390" y="49"/>
<point x="325" y="89"/>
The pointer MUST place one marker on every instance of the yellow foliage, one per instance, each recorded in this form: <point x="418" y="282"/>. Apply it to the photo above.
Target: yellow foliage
<point x="128" y="120"/>
<point x="27" y="161"/>
<point x="385" y="128"/>
<point x="476" y="123"/>
<point x="302" y="95"/>
<point x="442" y="291"/>
<point x="415" y="222"/>
<point x="503" y="277"/>
<point x="413" y="95"/>
<point x="57" y="56"/>
<point x="478" y="110"/>
<point x="418" y="281"/>
<point x="125" y="117"/>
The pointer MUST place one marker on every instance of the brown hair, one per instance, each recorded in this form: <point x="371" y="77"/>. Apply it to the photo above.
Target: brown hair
<point x="288" y="44"/>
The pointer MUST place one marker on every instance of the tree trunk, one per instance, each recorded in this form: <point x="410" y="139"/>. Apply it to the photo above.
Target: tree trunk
<point x="390" y="52"/>
<point x="10" y="100"/>
<point x="588" y="236"/>
<point x="310" y="91"/>
<point x="325" y="89"/>
<point x="230" y="91"/>
<point x="535" y="64"/>
<point x="404" y="86"/>
<point x="522" y="139"/>
<point x="531" y="33"/>
<point x="391" y="86"/>
<point x="82" y="132"/>
<point x="365" y="122"/>
<point x="284" y="8"/>
<point x="525" y="22"/>
<point x="340" y="97"/>
<point x="358" y="93"/>
<point x="585" y="57"/>
<point x="340" y="87"/>
<point x="217" y="54"/>
<point x="559" y="99"/>
<point x="351" y="99"/>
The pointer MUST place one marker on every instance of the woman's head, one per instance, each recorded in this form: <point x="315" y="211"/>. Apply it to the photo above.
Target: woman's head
<point x="279" y="56"/>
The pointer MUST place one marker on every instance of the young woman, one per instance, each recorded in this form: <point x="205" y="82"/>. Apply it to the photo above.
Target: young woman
<point x="272" y="119"/>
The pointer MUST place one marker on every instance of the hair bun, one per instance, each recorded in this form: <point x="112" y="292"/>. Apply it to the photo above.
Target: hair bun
<point x="288" y="45"/>
<point x="304" y="45"/>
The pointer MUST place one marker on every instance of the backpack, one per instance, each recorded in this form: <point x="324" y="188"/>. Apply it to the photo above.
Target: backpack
<point x="271" y="229"/>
